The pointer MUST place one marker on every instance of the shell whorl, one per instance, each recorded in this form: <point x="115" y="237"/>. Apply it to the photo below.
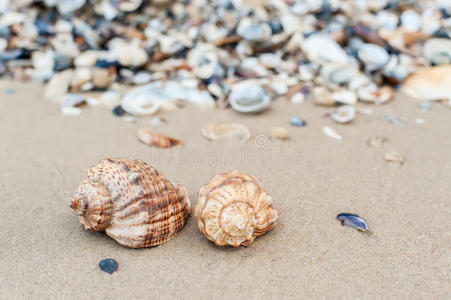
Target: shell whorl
<point x="233" y="209"/>
<point x="134" y="203"/>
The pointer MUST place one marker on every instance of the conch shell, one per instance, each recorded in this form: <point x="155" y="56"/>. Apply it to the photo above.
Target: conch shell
<point x="233" y="209"/>
<point x="132" y="202"/>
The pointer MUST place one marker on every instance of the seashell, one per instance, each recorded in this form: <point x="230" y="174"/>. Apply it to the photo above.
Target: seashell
<point x="58" y="85"/>
<point x="344" y="97"/>
<point x="249" y="98"/>
<point x="147" y="99"/>
<point x="332" y="133"/>
<point x="429" y="84"/>
<point x="298" y="98"/>
<point x="323" y="97"/>
<point x="129" y="5"/>
<point x="86" y="59"/>
<point x="132" y="202"/>
<point x="100" y="78"/>
<point x="410" y="20"/>
<point x="352" y="220"/>
<point x="226" y="131"/>
<point x="376" y="142"/>
<point x="339" y="73"/>
<point x="394" y="156"/>
<point x="233" y="209"/>
<point x="298" y="122"/>
<point x="67" y="6"/>
<point x="321" y="49"/>
<point x="374" y="57"/>
<point x="438" y="51"/>
<point x="344" y="114"/>
<point x="81" y="77"/>
<point x="111" y="99"/>
<point x="370" y="93"/>
<point x="108" y="265"/>
<point x="280" y="133"/>
<point x="152" y="138"/>
<point x="254" y="32"/>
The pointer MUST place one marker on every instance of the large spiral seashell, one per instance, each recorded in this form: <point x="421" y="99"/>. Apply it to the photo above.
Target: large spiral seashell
<point x="233" y="209"/>
<point x="132" y="202"/>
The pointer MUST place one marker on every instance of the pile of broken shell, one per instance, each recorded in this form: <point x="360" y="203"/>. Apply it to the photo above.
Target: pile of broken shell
<point x="144" y="56"/>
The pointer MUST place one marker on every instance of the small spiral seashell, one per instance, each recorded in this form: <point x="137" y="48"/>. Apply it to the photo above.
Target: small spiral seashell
<point x="233" y="209"/>
<point x="132" y="202"/>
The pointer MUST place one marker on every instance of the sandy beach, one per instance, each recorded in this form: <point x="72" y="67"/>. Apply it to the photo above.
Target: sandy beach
<point x="46" y="253"/>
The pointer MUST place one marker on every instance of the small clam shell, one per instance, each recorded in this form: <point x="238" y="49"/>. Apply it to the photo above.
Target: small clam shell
<point x="233" y="209"/>
<point x="344" y="114"/>
<point x="429" y="84"/>
<point x="352" y="220"/>
<point x="321" y="49"/>
<point x="374" y="57"/>
<point x="438" y="51"/>
<point x="226" y="131"/>
<point x="152" y="138"/>
<point x="249" y="98"/>
<point x="132" y="202"/>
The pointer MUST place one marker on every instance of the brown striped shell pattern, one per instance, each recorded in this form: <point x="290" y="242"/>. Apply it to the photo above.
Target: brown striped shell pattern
<point x="233" y="209"/>
<point x="132" y="202"/>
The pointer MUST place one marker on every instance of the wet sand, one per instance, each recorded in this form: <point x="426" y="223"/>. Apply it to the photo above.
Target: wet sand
<point x="46" y="253"/>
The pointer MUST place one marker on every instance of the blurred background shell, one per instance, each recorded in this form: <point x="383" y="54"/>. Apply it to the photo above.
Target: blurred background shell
<point x="132" y="202"/>
<point x="233" y="209"/>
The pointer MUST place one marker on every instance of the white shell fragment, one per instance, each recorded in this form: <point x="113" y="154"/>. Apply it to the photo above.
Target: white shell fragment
<point x="332" y="133"/>
<point x="343" y="114"/>
<point x="373" y="56"/>
<point x="438" y="51"/>
<point x="147" y="99"/>
<point x="226" y="131"/>
<point x="249" y="98"/>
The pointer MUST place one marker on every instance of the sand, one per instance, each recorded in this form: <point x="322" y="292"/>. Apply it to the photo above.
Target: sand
<point x="46" y="253"/>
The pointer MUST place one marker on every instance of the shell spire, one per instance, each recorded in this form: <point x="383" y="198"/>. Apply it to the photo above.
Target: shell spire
<point x="233" y="209"/>
<point x="132" y="202"/>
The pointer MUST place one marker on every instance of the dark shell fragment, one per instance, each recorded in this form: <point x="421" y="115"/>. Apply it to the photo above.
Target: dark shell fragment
<point x="108" y="265"/>
<point x="352" y="220"/>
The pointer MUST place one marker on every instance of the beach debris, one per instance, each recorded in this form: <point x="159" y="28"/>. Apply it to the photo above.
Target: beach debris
<point x="118" y="111"/>
<point x="425" y="106"/>
<point x="147" y="99"/>
<point x="70" y="103"/>
<point x="249" y="98"/>
<point x="157" y="121"/>
<point x="394" y="119"/>
<point x="233" y="209"/>
<point x="429" y="84"/>
<point x="332" y="133"/>
<point x="155" y="139"/>
<point x="280" y="133"/>
<point x="130" y="201"/>
<point x="373" y="56"/>
<point x="226" y="131"/>
<point x="376" y="141"/>
<point x="343" y="114"/>
<point x="352" y="220"/>
<point x="216" y="53"/>
<point x="394" y="156"/>
<point x="438" y="51"/>
<point x="298" y="98"/>
<point x="298" y="122"/>
<point x="419" y="121"/>
<point x="108" y="265"/>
